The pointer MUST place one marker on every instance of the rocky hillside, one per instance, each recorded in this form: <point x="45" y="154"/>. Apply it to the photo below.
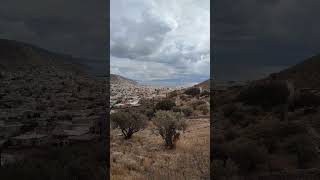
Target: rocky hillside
<point x="46" y="85"/>
<point x="304" y="75"/>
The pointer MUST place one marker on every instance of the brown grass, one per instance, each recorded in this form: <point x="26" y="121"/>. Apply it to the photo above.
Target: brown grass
<point x="145" y="157"/>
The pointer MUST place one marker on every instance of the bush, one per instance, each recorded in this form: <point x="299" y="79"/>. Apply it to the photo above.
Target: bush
<point x="176" y="109"/>
<point x="187" y="111"/>
<point x="194" y="91"/>
<point x="265" y="95"/>
<point x="307" y="100"/>
<point x="204" y="108"/>
<point x="196" y="103"/>
<point x="304" y="149"/>
<point x="168" y="124"/>
<point x="247" y="155"/>
<point x="150" y="113"/>
<point x="173" y="94"/>
<point x="165" y="105"/>
<point x="128" y="122"/>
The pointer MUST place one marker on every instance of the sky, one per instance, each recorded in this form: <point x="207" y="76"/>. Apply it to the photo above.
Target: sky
<point x="163" y="42"/>
<point x="75" y="27"/>
<point x="252" y="38"/>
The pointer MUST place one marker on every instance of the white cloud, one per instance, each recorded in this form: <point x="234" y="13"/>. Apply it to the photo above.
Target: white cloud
<point x="160" y="39"/>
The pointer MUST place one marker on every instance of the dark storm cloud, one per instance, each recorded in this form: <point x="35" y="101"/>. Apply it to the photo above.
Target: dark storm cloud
<point x="76" y="27"/>
<point x="270" y="33"/>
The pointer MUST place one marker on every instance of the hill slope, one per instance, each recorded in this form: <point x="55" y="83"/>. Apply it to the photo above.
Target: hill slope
<point x="117" y="79"/>
<point x="204" y="85"/>
<point x="36" y="80"/>
<point x="304" y="75"/>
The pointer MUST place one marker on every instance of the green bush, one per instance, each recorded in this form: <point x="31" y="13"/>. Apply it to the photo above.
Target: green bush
<point x="168" y="124"/>
<point x="165" y="105"/>
<point x="128" y="122"/>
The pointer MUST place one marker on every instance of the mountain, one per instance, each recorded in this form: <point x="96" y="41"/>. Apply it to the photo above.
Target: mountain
<point x="304" y="75"/>
<point x="117" y="79"/>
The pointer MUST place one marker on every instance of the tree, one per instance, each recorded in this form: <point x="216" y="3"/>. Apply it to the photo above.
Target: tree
<point x="169" y="123"/>
<point x="165" y="105"/>
<point x="128" y="122"/>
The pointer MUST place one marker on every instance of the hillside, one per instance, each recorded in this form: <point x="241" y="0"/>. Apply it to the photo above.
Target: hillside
<point x="304" y="75"/>
<point x="37" y="81"/>
<point x="204" y="85"/>
<point x="117" y="79"/>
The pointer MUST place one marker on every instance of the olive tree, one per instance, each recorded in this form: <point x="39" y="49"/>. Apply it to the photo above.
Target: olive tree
<point x="128" y="122"/>
<point x="168" y="124"/>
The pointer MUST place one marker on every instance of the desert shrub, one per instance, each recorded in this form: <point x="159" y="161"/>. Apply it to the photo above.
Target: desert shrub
<point x="205" y="93"/>
<point x="229" y="109"/>
<point x="187" y="111"/>
<point x="165" y="105"/>
<point x="247" y="154"/>
<point x="194" y="162"/>
<point x="265" y="95"/>
<point x="204" y="108"/>
<point x="128" y="122"/>
<point x="176" y="109"/>
<point x="196" y="103"/>
<point x="302" y="146"/>
<point x="194" y="91"/>
<point x="168" y="124"/>
<point x="173" y="94"/>
<point x="150" y="113"/>
<point x="184" y="97"/>
<point x="306" y="100"/>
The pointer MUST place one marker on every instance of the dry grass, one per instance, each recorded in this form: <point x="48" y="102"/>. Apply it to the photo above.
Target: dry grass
<point x="145" y="157"/>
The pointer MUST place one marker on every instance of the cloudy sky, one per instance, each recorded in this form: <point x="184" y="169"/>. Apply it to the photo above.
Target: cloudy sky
<point x="75" y="27"/>
<point x="160" y="41"/>
<point x="252" y="38"/>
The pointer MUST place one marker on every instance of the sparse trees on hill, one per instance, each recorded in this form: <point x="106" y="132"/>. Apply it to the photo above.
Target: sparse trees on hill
<point x="128" y="122"/>
<point x="169" y="123"/>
